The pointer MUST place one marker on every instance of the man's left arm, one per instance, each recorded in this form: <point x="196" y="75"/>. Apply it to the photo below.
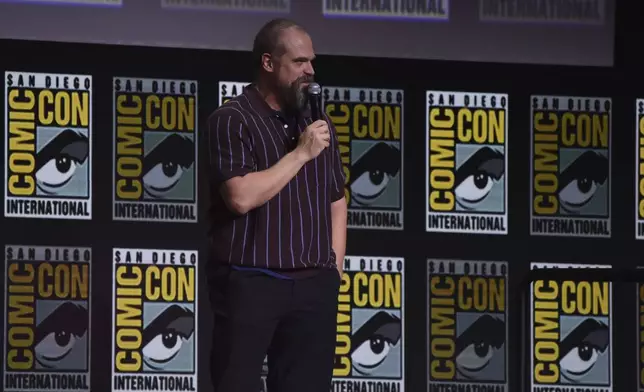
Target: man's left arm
<point x="339" y="230"/>
<point x="338" y="201"/>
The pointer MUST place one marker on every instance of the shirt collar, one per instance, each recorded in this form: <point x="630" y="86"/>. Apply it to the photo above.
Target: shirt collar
<point x="260" y="105"/>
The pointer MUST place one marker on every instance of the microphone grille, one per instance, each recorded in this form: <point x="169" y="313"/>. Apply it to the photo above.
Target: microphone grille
<point x="315" y="89"/>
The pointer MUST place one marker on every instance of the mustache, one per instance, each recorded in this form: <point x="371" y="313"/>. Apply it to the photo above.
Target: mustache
<point x="304" y="79"/>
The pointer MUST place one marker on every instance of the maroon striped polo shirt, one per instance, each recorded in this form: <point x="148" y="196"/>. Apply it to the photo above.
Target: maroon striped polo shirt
<point x="292" y="231"/>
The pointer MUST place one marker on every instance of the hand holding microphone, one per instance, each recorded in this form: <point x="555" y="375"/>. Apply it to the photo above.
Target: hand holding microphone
<point x="316" y="137"/>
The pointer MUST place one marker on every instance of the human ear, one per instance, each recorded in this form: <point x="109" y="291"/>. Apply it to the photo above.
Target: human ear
<point x="267" y="62"/>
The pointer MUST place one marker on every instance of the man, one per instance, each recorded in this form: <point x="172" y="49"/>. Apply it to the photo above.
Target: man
<point x="278" y="225"/>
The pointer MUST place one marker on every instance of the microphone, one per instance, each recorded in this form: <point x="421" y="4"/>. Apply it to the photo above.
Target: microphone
<point x="315" y="100"/>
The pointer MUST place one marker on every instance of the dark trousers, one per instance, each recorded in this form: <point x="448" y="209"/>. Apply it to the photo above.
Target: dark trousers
<point x="291" y="321"/>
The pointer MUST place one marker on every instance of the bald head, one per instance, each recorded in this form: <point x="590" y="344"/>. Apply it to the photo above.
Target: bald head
<point x="269" y="39"/>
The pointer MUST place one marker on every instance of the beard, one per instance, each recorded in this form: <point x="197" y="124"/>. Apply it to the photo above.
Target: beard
<point x="294" y="96"/>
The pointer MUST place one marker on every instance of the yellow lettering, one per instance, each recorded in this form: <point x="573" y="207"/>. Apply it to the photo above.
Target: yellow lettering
<point x="545" y="170"/>
<point x="340" y="116"/>
<point x="20" y="316"/>
<point x="64" y="108"/>
<point x="21" y="123"/>
<point x="129" y="146"/>
<point x="546" y="332"/>
<point x="641" y="169"/>
<point x="377" y="291"/>
<point x="63" y="281"/>
<point x="441" y="159"/>
<point x="376" y="122"/>
<point x="170" y="284"/>
<point x="170" y="113"/>
<point x="442" y="328"/>
<point x="481" y="294"/>
<point x="481" y="126"/>
<point x="343" y="365"/>
<point x="584" y="130"/>
<point x="585" y="298"/>
<point x="128" y="323"/>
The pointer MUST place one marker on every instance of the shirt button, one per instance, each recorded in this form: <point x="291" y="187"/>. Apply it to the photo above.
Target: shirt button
<point x="285" y="126"/>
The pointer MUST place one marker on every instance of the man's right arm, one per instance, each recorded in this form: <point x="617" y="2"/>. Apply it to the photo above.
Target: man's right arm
<point x="242" y="188"/>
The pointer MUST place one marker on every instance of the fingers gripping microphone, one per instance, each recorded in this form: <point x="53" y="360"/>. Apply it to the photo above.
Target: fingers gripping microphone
<point x="315" y="100"/>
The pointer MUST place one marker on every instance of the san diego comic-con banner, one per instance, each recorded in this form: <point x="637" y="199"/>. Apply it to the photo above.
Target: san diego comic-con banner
<point x="467" y="325"/>
<point x="639" y="169"/>
<point x="155" y="150"/>
<point x="154" y="320"/>
<point x="369" y="352"/>
<point x="570" y="166"/>
<point x="467" y="162"/>
<point x="571" y="340"/>
<point x="369" y="123"/>
<point x="47" y="319"/>
<point x="48" y="145"/>
<point x="387" y="9"/>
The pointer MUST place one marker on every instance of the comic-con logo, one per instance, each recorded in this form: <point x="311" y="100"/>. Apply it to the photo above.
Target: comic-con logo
<point x="281" y="6"/>
<point x="639" y="169"/>
<point x="570" y="166"/>
<point x="467" y="329"/>
<point x="387" y="9"/>
<point x="570" y="333"/>
<point x="228" y="90"/>
<point x="48" y="144"/>
<point x="369" y="351"/>
<point x="47" y="346"/>
<point x="467" y="163"/>
<point x="369" y="126"/>
<point x="155" y="150"/>
<point x="154" y="320"/>
<point x="100" y="3"/>
<point x="542" y="11"/>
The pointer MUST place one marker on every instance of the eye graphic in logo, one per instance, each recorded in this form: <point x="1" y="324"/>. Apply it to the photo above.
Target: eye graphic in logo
<point x="477" y="345"/>
<point x="164" y="337"/>
<point x="372" y="342"/>
<point x="61" y="339"/>
<point x="582" y="348"/>
<point x="579" y="182"/>
<point x="165" y="164"/>
<point x="476" y="177"/>
<point x="59" y="160"/>
<point x="372" y="172"/>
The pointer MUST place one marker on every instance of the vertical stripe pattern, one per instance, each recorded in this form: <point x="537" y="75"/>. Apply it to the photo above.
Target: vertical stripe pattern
<point x="293" y="229"/>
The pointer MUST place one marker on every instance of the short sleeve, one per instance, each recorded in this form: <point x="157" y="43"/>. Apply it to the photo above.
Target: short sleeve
<point x="229" y="146"/>
<point x="337" y="171"/>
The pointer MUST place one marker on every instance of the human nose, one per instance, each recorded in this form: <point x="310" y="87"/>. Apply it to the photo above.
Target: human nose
<point x="309" y="69"/>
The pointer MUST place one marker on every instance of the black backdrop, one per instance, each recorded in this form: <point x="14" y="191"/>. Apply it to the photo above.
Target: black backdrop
<point x="518" y="248"/>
